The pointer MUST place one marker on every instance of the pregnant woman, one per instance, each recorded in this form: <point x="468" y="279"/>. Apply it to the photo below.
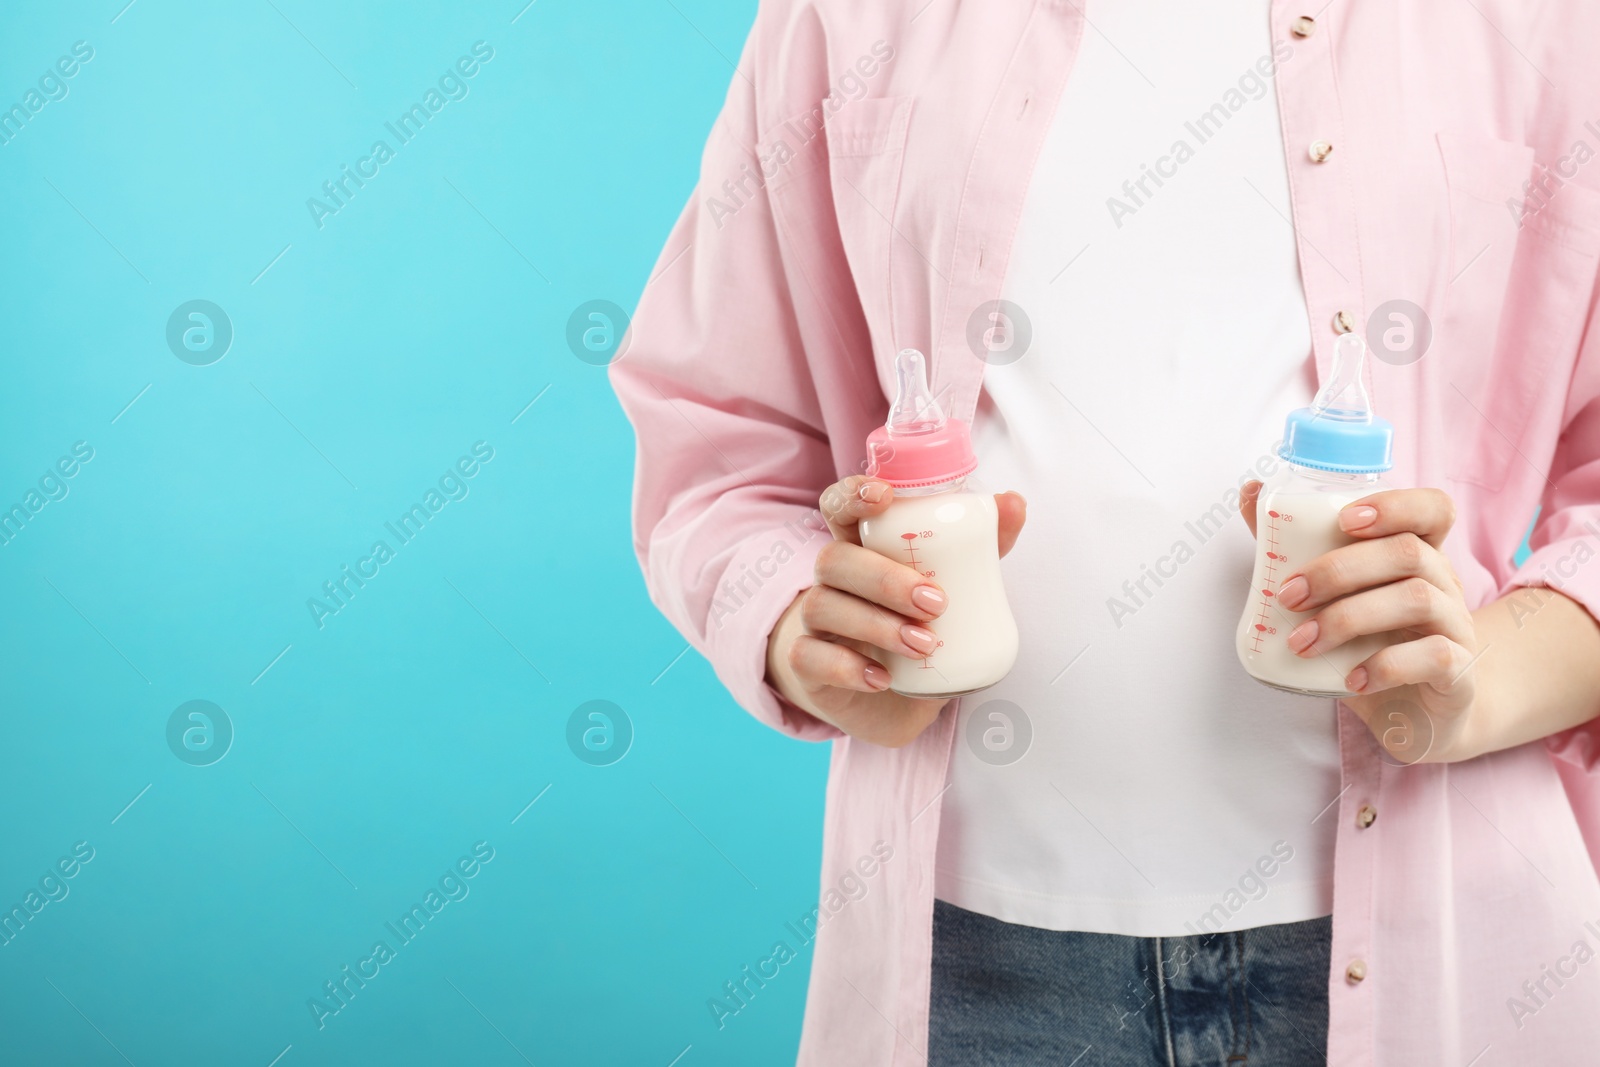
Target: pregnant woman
<point x="1128" y="235"/>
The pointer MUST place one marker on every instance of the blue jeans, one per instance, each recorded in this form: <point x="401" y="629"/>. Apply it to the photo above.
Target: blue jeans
<point x="1008" y="995"/>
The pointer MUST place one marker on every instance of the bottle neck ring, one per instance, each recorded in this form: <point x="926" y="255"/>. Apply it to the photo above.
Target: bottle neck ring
<point x="951" y="486"/>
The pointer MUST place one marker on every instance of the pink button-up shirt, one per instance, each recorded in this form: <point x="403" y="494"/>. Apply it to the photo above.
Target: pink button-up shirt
<point x="860" y="193"/>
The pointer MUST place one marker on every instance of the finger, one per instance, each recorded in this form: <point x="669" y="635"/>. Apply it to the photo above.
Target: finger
<point x="845" y="503"/>
<point x="882" y="581"/>
<point x="1365" y="565"/>
<point x="825" y="610"/>
<point x="1428" y="513"/>
<point x="820" y="664"/>
<point x="1249" y="493"/>
<point x="1412" y="604"/>
<point x="1434" y="661"/>
<point x="1013" y="513"/>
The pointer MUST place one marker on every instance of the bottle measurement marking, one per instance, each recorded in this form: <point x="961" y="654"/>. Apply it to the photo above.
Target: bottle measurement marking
<point x="1270" y="575"/>
<point x="910" y="538"/>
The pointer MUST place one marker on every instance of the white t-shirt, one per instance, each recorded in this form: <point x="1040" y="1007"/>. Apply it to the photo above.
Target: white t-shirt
<point x="1162" y="790"/>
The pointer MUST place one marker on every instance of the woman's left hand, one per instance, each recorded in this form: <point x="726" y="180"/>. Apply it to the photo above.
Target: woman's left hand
<point x="1393" y="578"/>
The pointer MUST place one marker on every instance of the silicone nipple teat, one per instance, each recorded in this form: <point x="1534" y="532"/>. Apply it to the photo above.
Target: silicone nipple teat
<point x="917" y="445"/>
<point x="914" y="411"/>
<point x="1344" y="398"/>
<point x="1339" y="432"/>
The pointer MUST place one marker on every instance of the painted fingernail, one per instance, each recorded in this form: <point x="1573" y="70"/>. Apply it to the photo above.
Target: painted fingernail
<point x="928" y="599"/>
<point x="1294" y="592"/>
<point x="871" y="492"/>
<point x="876" y="677"/>
<point x="1357" y="518"/>
<point x="919" y="639"/>
<point x="1357" y="680"/>
<point x="1303" y="636"/>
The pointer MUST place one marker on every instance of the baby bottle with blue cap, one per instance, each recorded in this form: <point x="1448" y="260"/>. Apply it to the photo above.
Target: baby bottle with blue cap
<point x="1334" y="453"/>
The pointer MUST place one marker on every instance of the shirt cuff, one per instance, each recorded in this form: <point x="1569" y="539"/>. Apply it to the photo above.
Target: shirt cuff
<point x="1568" y="565"/>
<point x="759" y="583"/>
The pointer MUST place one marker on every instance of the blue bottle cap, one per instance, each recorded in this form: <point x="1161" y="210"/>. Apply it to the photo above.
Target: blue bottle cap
<point x="1339" y="432"/>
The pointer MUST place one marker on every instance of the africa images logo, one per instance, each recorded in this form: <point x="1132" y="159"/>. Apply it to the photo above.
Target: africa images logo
<point x="338" y="593"/>
<point x="452" y="85"/>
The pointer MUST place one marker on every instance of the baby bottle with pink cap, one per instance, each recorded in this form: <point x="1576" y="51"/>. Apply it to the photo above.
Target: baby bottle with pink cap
<point x="946" y="530"/>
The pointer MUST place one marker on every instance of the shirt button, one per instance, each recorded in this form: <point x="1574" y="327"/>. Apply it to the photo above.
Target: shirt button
<point x="1304" y="26"/>
<point x="1366" y="815"/>
<point x="1320" y="150"/>
<point x="1343" y="322"/>
<point x="1356" y="971"/>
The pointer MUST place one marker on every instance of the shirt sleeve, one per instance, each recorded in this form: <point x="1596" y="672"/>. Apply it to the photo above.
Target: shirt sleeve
<point x="1565" y="541"/>
<point x="732" y="451"/>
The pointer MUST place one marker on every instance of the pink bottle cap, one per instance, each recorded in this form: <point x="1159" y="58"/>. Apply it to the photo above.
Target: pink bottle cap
<point x="918" y="446"/>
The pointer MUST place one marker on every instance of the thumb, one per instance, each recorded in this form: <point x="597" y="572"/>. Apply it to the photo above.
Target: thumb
<point x="1248" y="494"/>
<point x="1013" y="513"/>
<point x="845" y="503"/>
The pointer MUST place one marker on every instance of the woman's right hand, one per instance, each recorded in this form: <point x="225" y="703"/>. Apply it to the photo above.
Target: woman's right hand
<point x="826" y="654"/>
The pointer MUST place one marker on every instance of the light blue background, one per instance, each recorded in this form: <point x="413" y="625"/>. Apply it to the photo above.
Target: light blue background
<point x="372" y="354"/>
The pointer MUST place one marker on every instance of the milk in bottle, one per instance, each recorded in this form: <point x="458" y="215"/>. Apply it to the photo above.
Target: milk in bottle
<point x="947" y="531"/>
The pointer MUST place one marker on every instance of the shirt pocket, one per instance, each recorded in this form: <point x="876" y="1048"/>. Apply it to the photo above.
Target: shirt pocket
<point x="866" y="155"/>
<point x="1518" y="289"/>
